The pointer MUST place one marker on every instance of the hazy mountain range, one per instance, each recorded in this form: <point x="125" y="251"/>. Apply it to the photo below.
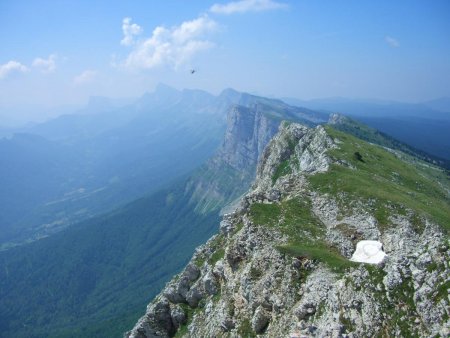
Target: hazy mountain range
<point x="90" y="259"/>
<point x="120" y="198"/>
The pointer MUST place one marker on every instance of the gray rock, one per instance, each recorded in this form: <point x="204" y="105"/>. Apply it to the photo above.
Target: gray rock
<point x="191" y="272"/>
<point x="194" y="296"/>
<point x="226" y="227"/>
<point x="177" y="292"/>
<point x="227" y="325"/>
<point x="393" y="278"/>
<point x="178" y="316"/>
<point x="260" y="320"/>
<point x="210" y="284"/>
<point x="305" y="310"/>
<point x="162" y="317"/>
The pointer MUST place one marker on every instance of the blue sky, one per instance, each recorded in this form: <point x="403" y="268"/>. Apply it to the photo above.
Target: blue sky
<point x="62" y="52"/>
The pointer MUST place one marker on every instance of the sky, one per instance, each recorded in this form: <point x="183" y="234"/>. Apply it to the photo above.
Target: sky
<point x="62" y="52"/>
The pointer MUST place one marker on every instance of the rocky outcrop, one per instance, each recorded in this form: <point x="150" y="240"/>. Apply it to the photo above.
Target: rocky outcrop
<point x="308" y="147"/>
<point x="279" y="266"/>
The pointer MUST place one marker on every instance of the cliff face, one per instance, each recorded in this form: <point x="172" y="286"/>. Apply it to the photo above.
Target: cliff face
<point x="230" y="172"/>
<point x="252" y="121"/>
<point x="280" y="266"/>
<point x="248" y="133"/>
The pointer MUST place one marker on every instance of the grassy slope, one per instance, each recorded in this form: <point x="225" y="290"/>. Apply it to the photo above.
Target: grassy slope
<point x="305" y="232"/>
<point x="379" y="178"/>
<point x="386" y="180"/>
<point x="372" y="135"/>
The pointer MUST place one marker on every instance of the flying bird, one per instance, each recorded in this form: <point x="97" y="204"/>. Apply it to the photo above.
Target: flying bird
<point x="193" y="71"/>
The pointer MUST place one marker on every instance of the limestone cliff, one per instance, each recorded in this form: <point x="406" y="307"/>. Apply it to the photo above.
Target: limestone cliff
<point x="230" y="172"/>
<point x="280" y="265"/>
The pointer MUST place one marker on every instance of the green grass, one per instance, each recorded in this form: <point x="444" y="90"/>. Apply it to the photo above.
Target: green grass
<point x="372" y="135"/>
<point x="216" y="245"/>
<point x="376" y="274"/>
<point x="216" y="256"/>
<point x="442" y="292"/>
<point x="283" y="169"/>
<point x="349" y="327"/>
<point x="432" y="267"/>
<point x="267" y="214"/>
<point x="255" y="273"/>
<point x="245" y="330"/>
<point x="387" y="185"/>
<point x="318" y="251"/>
<point x="305" y="232"/>
<point x="386" y="179"/>
<point x="200" y="261"/>
<point x="189" y="312"/>
<point x="238" y="228"/>
<point x="404" y="296"/>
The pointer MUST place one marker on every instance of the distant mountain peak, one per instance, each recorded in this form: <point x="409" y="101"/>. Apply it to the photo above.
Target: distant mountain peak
<point x="164" y="88"/>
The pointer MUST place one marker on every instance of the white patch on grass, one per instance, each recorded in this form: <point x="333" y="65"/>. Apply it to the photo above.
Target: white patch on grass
<point x="368" y="252"/>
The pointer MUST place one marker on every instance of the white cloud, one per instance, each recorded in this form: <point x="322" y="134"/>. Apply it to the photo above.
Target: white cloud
<point x="85" y="77"/>
<point x="46" y="65"/>
<point x="11" y="67"/>
<point x="129" y="31"/>
<point x="171" y="46"/>
<point x="244" y="6"/>
<point x="391" y="41"/>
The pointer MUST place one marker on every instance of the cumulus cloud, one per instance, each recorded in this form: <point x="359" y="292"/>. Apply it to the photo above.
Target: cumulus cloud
<point x="391" y="41"/>
<point x="244" y="6"/>
<point x="45" y="65"/>
<point x="85" y="77"/>
<point x="171" y="46"/>
<point x="129" y="32"/>
<point x="11" y="67"/>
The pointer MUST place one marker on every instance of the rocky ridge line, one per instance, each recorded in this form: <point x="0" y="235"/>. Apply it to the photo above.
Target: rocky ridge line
<point x="239" y="284"/>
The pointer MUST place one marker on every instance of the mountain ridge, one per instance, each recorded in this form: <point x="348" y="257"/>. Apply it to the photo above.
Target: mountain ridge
<point x="280" y="265"/>
<point x="174" y="219"/>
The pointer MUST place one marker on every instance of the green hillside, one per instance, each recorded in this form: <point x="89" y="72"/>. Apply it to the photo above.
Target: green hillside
<point x="96" y="278"/>
<point x="387" y="183"/>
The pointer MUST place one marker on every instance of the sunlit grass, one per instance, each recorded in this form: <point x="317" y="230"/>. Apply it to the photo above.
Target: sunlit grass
<point x="304" y="231"/>
<point x="384" y="178"/>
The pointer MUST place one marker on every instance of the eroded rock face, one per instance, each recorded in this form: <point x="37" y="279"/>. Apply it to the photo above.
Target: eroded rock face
<point x="239" y="283"/>
<point x="178" y="316"/>
<point x="248" y="132"/>
<point x="157" y="322"/>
